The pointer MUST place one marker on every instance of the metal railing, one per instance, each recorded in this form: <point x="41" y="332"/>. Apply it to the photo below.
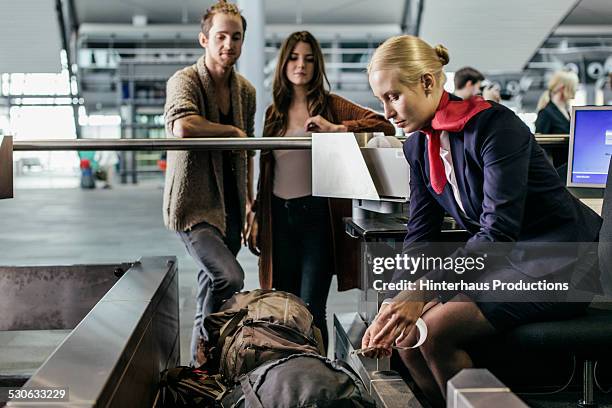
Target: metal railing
<point x="209" y="143"/>
<point x="212" y="143"/>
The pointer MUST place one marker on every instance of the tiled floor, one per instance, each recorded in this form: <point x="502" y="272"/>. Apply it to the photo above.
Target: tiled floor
<point x="68" y="226"/>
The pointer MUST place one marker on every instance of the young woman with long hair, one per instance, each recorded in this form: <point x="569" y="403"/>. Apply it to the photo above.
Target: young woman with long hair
<point x="301" y="238"/>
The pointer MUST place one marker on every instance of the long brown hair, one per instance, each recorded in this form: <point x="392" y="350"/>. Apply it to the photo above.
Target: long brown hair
<point x="277" y="115"/>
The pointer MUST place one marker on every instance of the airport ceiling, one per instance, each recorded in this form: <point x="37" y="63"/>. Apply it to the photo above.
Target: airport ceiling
<point x="591" y="12"/>
<point x="587" y="12"/>
<point x="277" y="11"/>
<point x="474" y="30"/>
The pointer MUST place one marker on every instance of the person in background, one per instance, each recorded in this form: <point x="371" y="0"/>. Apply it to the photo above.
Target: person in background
<point x="553" y="106"/>
<point x="554" y="114"/>
<point x="468" y="81"/>
<point x="300" y="238"/>
<point x="107" y="161"/>
<point x="491" y="91"/>
<point x="208" y="194"/>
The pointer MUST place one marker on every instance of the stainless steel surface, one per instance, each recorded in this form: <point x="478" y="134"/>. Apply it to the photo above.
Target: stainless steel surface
<point x="341" y="168"/>
<point x="349" y="329"/>
<point x="338" y="168"/>
<point x="540" y="138"/>
<point x="52" y="297"/>
<point x="193" y="143"/>
<point x="588" y="399"/>
<point x="389" y="170"/>
<point x="114" y="356"/>
<point x="6" y="167"/>
<point x="251" y="143"/>
<point x="552" y="139"/>
<point x="364" y="208"/>
<point x="487" y="399"/>
<point x="478" y="388"/>
<point x="388" y="227"/>
<point x="386" y="387"/>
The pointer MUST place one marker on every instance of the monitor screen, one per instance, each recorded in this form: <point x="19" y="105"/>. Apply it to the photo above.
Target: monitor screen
<point x="590" y="146"/>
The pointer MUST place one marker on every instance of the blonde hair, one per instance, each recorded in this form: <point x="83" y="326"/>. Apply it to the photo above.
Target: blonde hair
<point x="411" y="57"/>
<point x="567" y="79"/>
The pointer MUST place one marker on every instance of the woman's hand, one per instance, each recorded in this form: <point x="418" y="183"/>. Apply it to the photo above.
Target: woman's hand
<point x="393" y="322"/>
<point x="253" y="238"/>
<point x="320" y="124"/>
<point x="372" y="330"/>
<point x="248" y="222"/>
<point x="400" y="317"/>
<point x="239" y="132"/>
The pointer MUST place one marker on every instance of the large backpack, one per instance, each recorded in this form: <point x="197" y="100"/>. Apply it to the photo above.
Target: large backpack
<point x="184" y="387"/>
<point x="299" y="381"/>
<point x="258" y="326"/>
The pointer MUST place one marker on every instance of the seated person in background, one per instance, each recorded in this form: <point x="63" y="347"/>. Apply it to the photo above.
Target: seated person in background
<point x="477" y="161"/>
<point x="301" y="238"/>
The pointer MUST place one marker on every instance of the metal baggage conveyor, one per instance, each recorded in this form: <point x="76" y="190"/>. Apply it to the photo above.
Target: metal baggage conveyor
<point x="125" y="329"/>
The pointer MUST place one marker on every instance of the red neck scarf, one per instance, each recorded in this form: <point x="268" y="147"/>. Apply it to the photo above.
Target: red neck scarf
<point x="451" y="116"/>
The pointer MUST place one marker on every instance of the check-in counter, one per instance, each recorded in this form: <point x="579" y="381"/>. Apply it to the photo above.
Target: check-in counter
<point x="370" y="170"/>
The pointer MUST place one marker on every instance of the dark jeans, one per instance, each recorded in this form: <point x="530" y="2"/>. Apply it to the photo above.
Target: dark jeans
<point x="302" y="252"/>
<point x="220" y="274"/>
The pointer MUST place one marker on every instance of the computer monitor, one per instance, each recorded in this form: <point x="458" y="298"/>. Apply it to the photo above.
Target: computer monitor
<point x="590" y="146"/>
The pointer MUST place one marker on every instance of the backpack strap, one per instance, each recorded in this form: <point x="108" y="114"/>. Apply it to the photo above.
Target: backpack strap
<point x="231" y="325"/>
<point x="250" y="397"/>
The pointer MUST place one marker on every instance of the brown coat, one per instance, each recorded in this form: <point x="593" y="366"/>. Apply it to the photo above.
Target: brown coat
<point x="345" y="250"/>
<point x="193" y="192"/>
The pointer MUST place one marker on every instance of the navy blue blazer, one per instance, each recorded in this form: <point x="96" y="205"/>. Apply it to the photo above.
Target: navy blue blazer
<point x="509" y="190"/>
<point x="550" y="120"/>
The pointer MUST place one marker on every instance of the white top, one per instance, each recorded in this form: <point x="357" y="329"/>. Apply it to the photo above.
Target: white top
<point x="292" y="172"/>
<point x="447" y="159"/>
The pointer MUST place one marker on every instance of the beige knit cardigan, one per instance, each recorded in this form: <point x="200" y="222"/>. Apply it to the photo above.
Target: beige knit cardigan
<point x="193" y="191"/>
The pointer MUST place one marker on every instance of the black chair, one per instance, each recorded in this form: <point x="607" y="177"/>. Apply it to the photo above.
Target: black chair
<point x="587" y="338"/>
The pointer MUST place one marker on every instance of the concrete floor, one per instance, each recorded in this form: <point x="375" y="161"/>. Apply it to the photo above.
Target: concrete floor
<point x="69" y="226"/>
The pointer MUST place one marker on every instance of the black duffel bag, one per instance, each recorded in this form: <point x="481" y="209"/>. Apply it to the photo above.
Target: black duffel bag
<point x="299" y="381"/>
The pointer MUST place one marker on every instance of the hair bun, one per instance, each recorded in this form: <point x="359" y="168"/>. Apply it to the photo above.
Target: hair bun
<point x="442" y="53"/>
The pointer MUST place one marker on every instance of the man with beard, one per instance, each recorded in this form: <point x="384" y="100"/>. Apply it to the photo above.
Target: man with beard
<point x="208" y="194"/>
